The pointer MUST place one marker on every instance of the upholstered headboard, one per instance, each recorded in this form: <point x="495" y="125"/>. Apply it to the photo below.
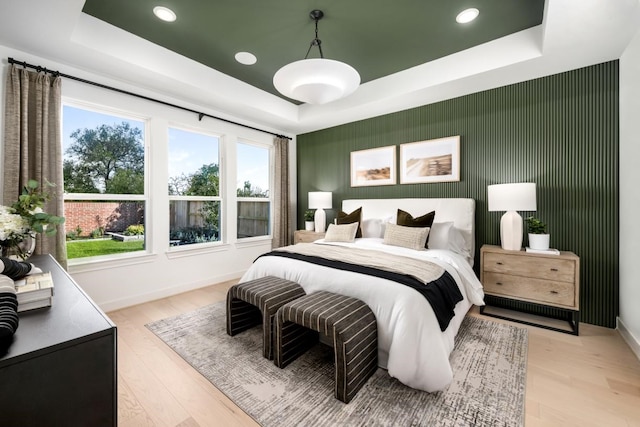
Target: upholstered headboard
<point x="460" y="211"/>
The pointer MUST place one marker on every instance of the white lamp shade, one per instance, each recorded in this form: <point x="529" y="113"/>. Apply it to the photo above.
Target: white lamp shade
<point x="512" y="197"/>
<point x="316" y="80"/>
<point x="320" y="200"/>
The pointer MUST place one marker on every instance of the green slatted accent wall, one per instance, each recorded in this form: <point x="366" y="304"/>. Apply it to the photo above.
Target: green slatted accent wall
<point x="560" y="132"/>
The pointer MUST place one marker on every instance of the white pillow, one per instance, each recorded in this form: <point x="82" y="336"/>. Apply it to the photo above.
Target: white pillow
<point x="444" y="235"/>
<point x="406" y="237"/>
<point x="341" y="233"/>
<point x="371" y="228"/>
<point x="458" y="244"/>
<point x="374" y="227"/>
<point x="439" y="235"/>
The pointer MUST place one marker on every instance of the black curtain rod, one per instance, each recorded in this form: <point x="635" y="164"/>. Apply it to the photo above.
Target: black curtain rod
<point x="200" y="114"/>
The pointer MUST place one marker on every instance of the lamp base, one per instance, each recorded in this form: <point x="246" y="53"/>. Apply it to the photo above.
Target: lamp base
<point x="511" y="231"/>
<point x="320" y="220"/>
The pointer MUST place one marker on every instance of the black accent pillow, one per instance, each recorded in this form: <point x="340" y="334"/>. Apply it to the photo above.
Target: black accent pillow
<point x="350" y="218"/>
<point x="14" y="269"/>
<point x="406" y="219"/>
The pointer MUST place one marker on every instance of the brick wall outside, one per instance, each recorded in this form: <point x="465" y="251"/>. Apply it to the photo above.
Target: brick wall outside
<point x="113" y="216"/>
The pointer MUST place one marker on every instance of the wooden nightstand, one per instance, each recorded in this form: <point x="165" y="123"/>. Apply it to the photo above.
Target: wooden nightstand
<point x="542" y="280"/>
<point x="305" y="236"/>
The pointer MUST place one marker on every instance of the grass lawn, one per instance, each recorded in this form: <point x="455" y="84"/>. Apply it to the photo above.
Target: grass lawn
<point x="86" y="248"/>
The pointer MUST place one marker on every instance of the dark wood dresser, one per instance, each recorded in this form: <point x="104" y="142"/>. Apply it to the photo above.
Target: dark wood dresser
<point x="60" y="369"/>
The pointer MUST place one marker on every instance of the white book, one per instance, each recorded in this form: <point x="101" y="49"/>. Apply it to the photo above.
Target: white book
<point x="32" y="305"/>
<point x="549" y="251"/>
<point x="34" y="287"/>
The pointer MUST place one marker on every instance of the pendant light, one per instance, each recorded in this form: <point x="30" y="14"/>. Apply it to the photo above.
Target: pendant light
<point x="317" y="80"/>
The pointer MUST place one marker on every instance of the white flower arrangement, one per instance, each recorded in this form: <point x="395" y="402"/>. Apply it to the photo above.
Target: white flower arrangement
<point x="13" y="227"/>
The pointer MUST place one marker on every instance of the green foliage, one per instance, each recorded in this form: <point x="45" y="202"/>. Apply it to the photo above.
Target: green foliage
<point x="210" y="213"/>
<point x="106" y="159"/>
<point x="189" y="235"/>
<point x="134" y="230"/>
<point x="126" y="181"/>
<point x="205" y="182"/>
<point x="30" y="206"/>
<point x="77" y="178"/>
<point x="249" y="190"/>
<point x="179" y="185"/>
<point x="87" y="248"/>
<point x="97" y="233"/>
<point x="309" y="215"/>
<point x="535" y="226"/>
<point x="74" y="234"/>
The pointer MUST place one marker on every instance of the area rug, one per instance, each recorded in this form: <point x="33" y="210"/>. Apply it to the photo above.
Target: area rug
<point x="489" y="364"/>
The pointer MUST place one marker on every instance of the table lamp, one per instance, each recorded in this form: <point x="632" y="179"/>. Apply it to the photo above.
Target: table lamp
<point x="320" y="200"/>
<point x="511" y="198"/>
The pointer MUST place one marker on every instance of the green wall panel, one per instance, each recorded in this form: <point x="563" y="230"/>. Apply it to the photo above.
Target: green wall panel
<point x="560" y="132"/>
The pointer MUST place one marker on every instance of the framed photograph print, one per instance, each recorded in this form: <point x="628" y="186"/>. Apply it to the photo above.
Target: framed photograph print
<point x="376" y="166"/>
<point x="436" y="160"/>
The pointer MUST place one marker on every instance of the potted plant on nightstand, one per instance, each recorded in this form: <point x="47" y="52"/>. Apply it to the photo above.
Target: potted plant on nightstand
<point x="309" y="224"/>
<point x="538" y="236"/>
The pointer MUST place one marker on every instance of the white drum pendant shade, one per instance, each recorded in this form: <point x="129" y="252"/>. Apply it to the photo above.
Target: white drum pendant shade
<point x="316" y="81"/>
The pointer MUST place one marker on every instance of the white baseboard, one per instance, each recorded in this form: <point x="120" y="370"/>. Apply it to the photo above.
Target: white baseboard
<point x="628" y="337"/>
<point x="120" y="303"/>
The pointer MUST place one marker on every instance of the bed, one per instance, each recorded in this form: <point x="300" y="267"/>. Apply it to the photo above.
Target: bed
<point x="413" y="346"/>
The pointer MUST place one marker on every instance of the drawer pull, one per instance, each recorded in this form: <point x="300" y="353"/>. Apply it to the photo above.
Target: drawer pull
<point x="554" y="292"/>
<point x="554" y="269"/>
<point x="499" y="283"/>
<point x="499" y="263"/>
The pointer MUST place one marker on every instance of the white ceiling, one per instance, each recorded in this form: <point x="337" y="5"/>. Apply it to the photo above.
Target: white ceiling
<point x="574" y="34"/>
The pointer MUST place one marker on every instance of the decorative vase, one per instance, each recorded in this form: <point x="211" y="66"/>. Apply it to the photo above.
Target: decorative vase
<point x="309" y="225"/>
<point x="539" y="241"/>
<point x="20" y="251"/>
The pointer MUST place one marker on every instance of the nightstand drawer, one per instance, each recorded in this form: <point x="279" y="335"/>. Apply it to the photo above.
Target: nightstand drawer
<point x="542" y="267"/>
<point x="530" y="289"/>
<point x="306" y="236"/>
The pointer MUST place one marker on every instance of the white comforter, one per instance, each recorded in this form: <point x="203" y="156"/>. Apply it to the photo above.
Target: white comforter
<point x="410" y="344"/>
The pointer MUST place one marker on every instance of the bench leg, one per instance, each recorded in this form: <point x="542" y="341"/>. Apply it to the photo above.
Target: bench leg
<point x="241" y="315"/>
<point x="355" y="363"/>
<point x="291" y="340"/>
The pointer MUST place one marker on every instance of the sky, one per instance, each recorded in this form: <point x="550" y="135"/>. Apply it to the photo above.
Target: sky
<point x="188" y="151"/>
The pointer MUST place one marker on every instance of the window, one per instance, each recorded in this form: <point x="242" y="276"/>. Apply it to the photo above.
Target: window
<point x="104" y="182"/>
<point x="194" y="188"/>
<point x="254" y="202"/>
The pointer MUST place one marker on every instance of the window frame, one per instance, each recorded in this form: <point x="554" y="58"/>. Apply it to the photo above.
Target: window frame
<point x="222" y="240"/>
<point x="271" y="156"/>
<point x="145" y="197"/>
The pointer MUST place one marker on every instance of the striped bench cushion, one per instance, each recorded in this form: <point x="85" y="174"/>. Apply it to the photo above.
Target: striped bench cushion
<point x="348" y="323"/>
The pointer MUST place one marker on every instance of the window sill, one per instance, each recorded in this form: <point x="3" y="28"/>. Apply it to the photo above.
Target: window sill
<point x="249" y="242"/>
<point x="195" y="249"/>
<point x="81" y="265"/>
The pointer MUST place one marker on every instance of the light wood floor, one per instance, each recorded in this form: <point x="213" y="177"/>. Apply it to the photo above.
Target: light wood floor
<point x="590" y="380"/>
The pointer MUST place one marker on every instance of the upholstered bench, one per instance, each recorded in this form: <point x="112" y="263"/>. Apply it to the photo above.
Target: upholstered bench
<point x="254" y="302"/>
<point x="347" y="323"/>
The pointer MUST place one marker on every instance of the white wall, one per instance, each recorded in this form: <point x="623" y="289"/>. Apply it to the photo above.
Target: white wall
<point x="629" y="319"/>
<point x="119" y="283"/>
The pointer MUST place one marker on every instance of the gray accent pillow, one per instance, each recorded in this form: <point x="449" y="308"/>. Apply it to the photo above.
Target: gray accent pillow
<point x="341" y="233"/>
<point x="406" y="237"/>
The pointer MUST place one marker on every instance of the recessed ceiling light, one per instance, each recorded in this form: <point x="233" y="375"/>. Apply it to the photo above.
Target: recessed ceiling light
<point x="467" y="15"/>
<point x="246" y="58"/>
<point x="164" y="13"/>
